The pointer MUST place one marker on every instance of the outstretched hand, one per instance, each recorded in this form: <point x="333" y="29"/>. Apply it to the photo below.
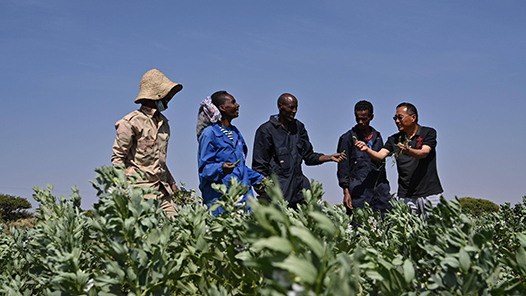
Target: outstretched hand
<point x="338" y="157"/>
<point x="360" y="145"/>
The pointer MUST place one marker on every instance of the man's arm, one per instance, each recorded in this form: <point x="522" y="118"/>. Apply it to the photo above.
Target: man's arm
<point x="347" y="200"/>
<point x="376" y="156"/>
<point x="123" y="142"/>
<point x="262" y="152"/>
<point x="171" y="180"/>
<point x="336" y="157"/>
<point x="343" y="171"/>
<point x="416" y="153"/>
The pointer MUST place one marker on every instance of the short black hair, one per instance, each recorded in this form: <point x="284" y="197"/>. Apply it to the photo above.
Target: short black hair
<point x="364" y="105"/>
<point x="411" y="109"/>
<point x="219" y="98"/>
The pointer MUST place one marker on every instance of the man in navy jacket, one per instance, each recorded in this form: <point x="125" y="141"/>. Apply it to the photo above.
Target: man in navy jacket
<point x="361" y="178"/>
<point x="280" y="147"/>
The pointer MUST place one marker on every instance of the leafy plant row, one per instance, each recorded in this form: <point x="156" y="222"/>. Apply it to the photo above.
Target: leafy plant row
<point x="129" y="247"/>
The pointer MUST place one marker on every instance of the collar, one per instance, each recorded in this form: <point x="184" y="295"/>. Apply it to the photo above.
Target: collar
<point x="358" y="132"/>
<point x="276" y="123"/>
<point x="418" y="130"/>
<point x="150" y="112"/>
<point x="219" y="133"/>
<point x="274" y="120"/>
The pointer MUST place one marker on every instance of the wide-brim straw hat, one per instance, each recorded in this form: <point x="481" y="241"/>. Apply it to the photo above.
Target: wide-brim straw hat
<point x="156" y="86"/>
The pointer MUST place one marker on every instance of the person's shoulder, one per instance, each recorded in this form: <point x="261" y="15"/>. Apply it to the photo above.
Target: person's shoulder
<point x="210" y="130"/>
<point x="265" y="125"/>
<point x="300" y="126"/>
<point x="235" y="129"/>
<point x="395" y="136"/>
<point x="426" y="130"/>
<point x="162" y="117"/>
<point x="130" y="116"/>
<point x="347" y="134"/>
<point x="298" y="122"/>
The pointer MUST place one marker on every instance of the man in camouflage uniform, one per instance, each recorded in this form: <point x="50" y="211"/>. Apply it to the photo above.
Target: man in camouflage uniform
<point x="142" y="138"/>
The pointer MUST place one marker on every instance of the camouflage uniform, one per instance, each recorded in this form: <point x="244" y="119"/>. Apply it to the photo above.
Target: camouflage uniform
<point x="142" y="140"/>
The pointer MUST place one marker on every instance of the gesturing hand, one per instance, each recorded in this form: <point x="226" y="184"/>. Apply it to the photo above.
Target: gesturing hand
<point x="360" y="145"/>
<point x="228" y="167"/>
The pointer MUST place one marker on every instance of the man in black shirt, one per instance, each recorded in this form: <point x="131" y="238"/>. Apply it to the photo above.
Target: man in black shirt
<point x="280" y="147"/>
<point x="414" y="147"/>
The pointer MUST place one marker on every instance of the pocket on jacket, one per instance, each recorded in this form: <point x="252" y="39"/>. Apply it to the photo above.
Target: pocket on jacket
<point x="284" y="159"/>
<point x="144" y="144"/>
<point x="145" y="151"/>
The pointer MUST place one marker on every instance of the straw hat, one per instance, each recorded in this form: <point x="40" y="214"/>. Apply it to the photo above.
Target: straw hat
<point x="156" y="86"/>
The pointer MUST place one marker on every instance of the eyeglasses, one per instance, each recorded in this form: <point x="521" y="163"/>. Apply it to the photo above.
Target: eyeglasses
<point x="400" y="117"/>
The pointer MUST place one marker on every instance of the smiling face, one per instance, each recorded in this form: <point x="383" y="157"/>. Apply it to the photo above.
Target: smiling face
<point x="230" y="108"/>
<point x="404" y="120"/>
<point x="287" y="106"/>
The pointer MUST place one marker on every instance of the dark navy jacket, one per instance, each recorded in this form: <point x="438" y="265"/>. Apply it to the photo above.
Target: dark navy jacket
<point x="366" y="179"/>
<point x="280" y="151"/>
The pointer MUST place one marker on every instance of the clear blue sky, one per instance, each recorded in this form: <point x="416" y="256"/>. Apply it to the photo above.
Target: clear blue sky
<point x="71" y="69"/>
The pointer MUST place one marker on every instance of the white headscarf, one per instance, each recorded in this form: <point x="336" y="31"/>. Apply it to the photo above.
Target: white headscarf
<point x="208" y="114"/>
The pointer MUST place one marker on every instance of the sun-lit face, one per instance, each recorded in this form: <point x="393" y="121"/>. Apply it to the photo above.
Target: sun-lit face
<point x="230" y="107"/>
<point x="288" y="109"/>
<point x="403" y="119"/>
<point x="363" y="119"/>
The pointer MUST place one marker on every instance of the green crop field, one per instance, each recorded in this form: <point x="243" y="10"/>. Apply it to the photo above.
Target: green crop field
<point x="126" y="246"/>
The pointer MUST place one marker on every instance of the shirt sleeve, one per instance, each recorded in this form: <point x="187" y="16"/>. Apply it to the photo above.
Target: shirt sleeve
<point x="262" y="152"/>
<point x="209" y="168"/>
<point x="343" y="166"/>
<point x="123" y="142"/>
<point x="390" y="143"/>
<point x="253" y="176"/>
<point x="430" y="138"/>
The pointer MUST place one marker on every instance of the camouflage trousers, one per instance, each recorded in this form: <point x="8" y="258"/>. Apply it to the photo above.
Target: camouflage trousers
<point x="167" y="204"/>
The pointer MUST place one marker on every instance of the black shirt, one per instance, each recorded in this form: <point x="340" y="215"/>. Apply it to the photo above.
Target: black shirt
<point x="416" y="177"/>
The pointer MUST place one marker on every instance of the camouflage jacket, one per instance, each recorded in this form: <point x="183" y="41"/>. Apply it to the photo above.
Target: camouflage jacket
<point x="141" y="145"/>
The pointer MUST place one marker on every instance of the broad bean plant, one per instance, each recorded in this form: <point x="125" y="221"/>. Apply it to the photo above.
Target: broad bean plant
<point x="128" y="246"/>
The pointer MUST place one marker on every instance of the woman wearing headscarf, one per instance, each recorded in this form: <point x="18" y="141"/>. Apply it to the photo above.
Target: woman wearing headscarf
<point x="222" y="149"/>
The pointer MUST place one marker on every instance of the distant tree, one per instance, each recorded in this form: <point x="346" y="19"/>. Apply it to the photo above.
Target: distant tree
<point x="478" y="206"/>
<point x="13" y="208"/>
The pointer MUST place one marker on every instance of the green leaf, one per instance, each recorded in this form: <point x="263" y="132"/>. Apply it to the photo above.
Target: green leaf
<point x="451" y="261"/>
<point x="274" y="243"/>
<point x="374" y="275"/>
<point x="306" y="236"/>
<point x="469" y="286"/>
<point x="409" y="271"/>
<point x="299" y="267"/>
<point x="323" y="222"/>
<point x="464" y="260"/>
<point x="522" y="239"/>
<point x="521" y="258"/>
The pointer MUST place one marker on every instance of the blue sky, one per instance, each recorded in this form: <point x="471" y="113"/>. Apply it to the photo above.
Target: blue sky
<point x="71" y="69"/>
